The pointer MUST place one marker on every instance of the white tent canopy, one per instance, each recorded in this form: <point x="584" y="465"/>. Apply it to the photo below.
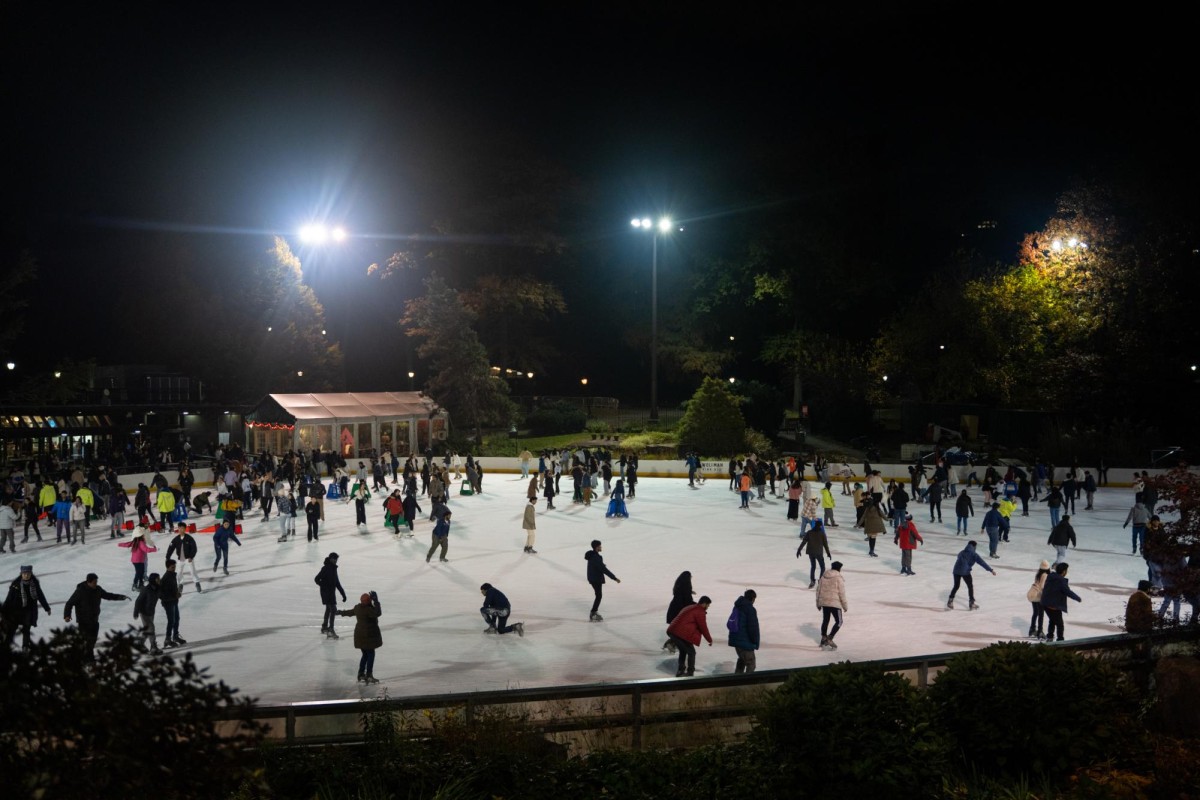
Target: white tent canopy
<point x="355" y="424"/>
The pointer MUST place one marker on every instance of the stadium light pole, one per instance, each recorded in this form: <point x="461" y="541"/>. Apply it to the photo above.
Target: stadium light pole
<point x="663" y="227"/>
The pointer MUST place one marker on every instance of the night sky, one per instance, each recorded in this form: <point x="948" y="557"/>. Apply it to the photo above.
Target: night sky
<point x="219" y="126"/>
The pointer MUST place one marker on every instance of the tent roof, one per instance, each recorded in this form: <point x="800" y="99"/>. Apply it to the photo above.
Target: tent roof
<point x="353" y="405"/>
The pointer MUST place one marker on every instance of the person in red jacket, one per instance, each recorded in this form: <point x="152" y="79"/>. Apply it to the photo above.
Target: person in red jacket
<point x="908" y="538"/>
<point x="685" y="631"/>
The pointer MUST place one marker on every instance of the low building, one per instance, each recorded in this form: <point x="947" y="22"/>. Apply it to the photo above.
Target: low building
<point x="353" y="424"/>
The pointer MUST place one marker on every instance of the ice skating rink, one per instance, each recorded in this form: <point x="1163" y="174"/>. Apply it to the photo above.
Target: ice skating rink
<point x="258" y="628"/>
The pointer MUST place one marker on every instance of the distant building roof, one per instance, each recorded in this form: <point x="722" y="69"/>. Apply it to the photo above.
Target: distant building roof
<point x="344" y="406"/>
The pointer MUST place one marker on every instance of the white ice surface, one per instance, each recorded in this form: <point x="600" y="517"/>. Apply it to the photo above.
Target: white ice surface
<point x="258" y="628"/>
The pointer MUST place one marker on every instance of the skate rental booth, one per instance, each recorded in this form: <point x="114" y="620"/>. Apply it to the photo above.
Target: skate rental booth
<point x="354" y="424"/>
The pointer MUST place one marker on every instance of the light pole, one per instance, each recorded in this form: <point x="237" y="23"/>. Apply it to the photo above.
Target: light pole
<point x="664" y="226"/>
<point x="411" y="375"/>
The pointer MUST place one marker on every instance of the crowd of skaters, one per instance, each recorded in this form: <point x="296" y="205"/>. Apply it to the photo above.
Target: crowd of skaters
<point x="275" y="483"/>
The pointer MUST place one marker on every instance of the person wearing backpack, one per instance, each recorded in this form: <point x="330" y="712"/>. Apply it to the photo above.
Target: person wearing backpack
<point x="743" y="631"/>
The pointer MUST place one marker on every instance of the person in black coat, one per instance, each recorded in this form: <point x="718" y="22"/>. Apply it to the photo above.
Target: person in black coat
<point x="411" y="508"/>
<point x="144" y="608"/>
<point x="85" y="601"/>
<point x="682" y="595"/>
<point x="329" y="582"/>
<point x="595" y="575"/>
<point x="183" y="548"/>
<point x="1054" y="599"/>
<point x="21" y="606"/>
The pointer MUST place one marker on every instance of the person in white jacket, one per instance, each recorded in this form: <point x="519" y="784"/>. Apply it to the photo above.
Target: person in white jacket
<point x="831" y="601"/>
<point x="8" y="525"/>
<point x="79" y="515"/>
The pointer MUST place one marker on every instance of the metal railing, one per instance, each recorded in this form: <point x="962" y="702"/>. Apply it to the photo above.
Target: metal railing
<point x="639" y="705"/>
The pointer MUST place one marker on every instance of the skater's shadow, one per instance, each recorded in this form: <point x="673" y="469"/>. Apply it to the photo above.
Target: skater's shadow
<point x="913" y="606"/>
<point x="242" y="635"/>
<point x="966" y="639"/>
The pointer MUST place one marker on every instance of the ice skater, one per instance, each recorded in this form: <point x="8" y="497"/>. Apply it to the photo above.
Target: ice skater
<point x="168" y="595"/>
<point x="329" y="582"/>
<point x="686" y="630"/>
<point x="441" y="537"/>
<point x="21" y="606"/>
<point x="85" y="602"/>
<point x="1054" y="600"/>
<point x="1034" y="596"/>
<point x="144" y="608"/>
<point x="616" y="503"/>
<point x="908" y="538"/>
<point x="963" y="565"/>
<point x="138" y="550"/>
<point x="596" y="571"/>
<point x="831" y="602"/>
<point x="184" y="546"/>
<point x="682" y="595"/>
<point x="529" y="525"/>
<point x="743" y="632"/>
<point x="816" y="541"/>
<point x="367" y="636"/>
<point x="1062" y="535"/>
<point x="221" y="537"/>
<point x="496" y="610"/>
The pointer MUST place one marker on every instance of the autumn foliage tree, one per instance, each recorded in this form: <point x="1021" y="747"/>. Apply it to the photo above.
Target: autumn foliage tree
<point x="1179" y="551"/>
<point x="462" y="380"/>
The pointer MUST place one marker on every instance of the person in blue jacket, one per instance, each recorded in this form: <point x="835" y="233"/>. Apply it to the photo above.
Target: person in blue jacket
<point x="441" y="535"/>
<point x="496" y="610"/>
<point x="62" y="517"/>
<point x="1054" y="599"/>
<point x="966" y="560"/>
<point x="221" y="537"/>
<point x="744" y="640"/>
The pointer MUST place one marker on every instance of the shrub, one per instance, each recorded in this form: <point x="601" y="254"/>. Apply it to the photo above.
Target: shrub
<point x="555" y="417"/>
<point x="1013" y="707"/>
<point x="853" y="728"/>
<point x="130" y="725"/>
<point x="759" y="443"/>
<point x="713" y="423"/>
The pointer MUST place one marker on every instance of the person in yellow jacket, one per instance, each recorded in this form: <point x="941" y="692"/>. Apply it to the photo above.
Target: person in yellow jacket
<point x="827" y="503"/>
<point x="1007" y="507"/>
<point x="89" y="501"/>
<point x="47" y="497"/>
<point x="166" y="506"/>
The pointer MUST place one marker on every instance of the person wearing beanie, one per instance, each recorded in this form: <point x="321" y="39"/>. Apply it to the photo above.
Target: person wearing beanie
<point x="1034" y="596"/>
<point x="367" y="636"/>
<point x="496" y="610"/>
<point x="139" y="548"/>
<point x="686" y="631"/>
<point x="329" y="582"/>
<point x="831" y="602"/>
<point x="85" y="601"/>
<point x="963" y="509"/>
<point x="144" y="608"/>
<point x="908" y="538"/>
<point x="21" y="606"/>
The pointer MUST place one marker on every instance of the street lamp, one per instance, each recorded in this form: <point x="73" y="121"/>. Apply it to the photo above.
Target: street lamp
<point x="411" y="375"/>
<point x="664" y="227"/>
<point x="317" y="233"/>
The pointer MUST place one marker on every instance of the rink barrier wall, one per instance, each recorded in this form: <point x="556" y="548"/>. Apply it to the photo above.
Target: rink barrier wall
<point x="713" y="470"/>
<point x="642" y="715"/>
